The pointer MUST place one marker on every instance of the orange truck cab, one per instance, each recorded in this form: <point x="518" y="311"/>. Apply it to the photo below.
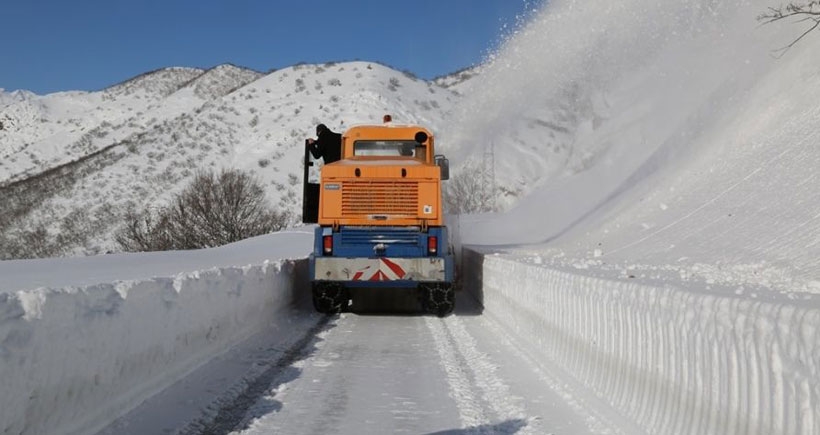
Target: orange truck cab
<point x="380" y="218"/>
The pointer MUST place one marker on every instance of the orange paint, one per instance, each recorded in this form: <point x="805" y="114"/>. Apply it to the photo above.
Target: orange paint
<point x="385" y="178"/>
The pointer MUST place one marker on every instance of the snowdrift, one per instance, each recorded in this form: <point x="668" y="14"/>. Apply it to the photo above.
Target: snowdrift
<point x="668" y="359"/>
<point x="72" y="359"/>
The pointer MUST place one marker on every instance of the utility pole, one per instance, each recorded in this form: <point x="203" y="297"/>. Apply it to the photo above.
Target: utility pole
<point x="488" y="175"/>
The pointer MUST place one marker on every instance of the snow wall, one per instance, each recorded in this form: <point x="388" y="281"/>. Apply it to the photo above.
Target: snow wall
<point x="74" y="359"/>
<point x="672" y="360"/>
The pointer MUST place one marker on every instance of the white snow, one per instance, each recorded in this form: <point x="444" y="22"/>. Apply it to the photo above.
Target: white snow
<point x="671" y="358"/>
<point x="665" y="255"/>
<point x="134" y="145"/>
<point x="84" y="340"/>
<point x="674" y="273"/>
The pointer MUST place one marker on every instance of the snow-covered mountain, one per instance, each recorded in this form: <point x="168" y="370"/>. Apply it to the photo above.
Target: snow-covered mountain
<point x="74" y="162"/>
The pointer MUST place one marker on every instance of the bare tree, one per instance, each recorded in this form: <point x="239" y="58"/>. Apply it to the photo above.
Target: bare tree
<point x="146" y="231"/>
<point x="213" y="210"/>
<point x="469" y="191"/>
<point x="801" y="11"/>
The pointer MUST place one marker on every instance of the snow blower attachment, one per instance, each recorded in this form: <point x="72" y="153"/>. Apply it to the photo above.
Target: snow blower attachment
<point x="381" y="223"/>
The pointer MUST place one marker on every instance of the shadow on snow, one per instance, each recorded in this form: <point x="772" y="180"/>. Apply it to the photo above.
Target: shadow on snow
<point x="508" y="427"/>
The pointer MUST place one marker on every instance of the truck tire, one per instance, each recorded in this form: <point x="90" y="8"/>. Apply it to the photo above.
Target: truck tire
<point x="438" y="298"/>
<point x="329" y="297"/>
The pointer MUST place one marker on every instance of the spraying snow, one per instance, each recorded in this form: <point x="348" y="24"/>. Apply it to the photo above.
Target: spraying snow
<point x="576" y="65"/>
<point x="670" y="251"/>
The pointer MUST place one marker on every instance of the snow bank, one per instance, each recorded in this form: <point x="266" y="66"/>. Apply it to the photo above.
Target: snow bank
<point x="674" y="360"/>
<point x="73" y="359"/>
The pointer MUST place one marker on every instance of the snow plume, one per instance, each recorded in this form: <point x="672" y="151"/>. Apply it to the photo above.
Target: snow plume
<point x="550" y="80"/>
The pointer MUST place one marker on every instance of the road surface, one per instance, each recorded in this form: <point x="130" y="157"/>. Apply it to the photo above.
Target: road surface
<point x="372" y="373"/>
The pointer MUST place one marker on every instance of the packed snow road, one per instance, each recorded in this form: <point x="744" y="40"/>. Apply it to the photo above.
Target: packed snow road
<point x="389" y="373"/>
<point x="412" y="374"/>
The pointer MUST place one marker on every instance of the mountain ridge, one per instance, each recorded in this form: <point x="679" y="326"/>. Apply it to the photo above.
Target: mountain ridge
<point x="133" y="144"/>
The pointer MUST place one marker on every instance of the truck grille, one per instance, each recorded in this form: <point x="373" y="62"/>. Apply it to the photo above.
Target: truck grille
<point x="380" y="198"/>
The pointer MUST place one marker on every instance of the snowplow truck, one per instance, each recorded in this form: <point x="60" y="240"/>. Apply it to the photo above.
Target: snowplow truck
<point x="380" y="219"/>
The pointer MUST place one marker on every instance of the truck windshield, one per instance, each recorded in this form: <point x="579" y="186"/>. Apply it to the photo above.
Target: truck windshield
<point x="392" y="148"/>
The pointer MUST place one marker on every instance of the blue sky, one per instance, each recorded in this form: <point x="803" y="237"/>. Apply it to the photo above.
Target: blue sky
<point x="54" y="45"/>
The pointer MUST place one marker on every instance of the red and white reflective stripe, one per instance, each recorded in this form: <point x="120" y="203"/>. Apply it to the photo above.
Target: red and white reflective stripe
<point x="387" y="271"/>
<point x="380" y="269"/>
<point x="395" y="268"/>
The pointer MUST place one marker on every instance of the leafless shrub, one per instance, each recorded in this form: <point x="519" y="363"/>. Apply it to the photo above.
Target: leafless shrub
<point x="806" y="11"/>
<point x="213" y="210"/>
<point x="146" y="231"/>
<point x="33" y="243"/>
<point x="469" y="191"/>
<point x="36" y="241"/>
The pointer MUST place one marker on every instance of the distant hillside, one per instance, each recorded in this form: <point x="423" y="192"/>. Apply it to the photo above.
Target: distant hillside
<point x="72" y="163"/>
<point x="456" y="81"/>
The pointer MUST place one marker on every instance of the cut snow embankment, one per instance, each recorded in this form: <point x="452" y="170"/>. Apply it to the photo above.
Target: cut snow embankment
<point x="669" y="358"/>
<point x="75" y="357"/>
<point x="675" y="273"/>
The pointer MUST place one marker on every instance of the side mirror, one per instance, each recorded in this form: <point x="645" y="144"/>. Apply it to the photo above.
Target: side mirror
<point x="444" y="165"/>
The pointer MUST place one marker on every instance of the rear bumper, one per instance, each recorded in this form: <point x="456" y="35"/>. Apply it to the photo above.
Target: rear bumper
<point x="382" y="269"/>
